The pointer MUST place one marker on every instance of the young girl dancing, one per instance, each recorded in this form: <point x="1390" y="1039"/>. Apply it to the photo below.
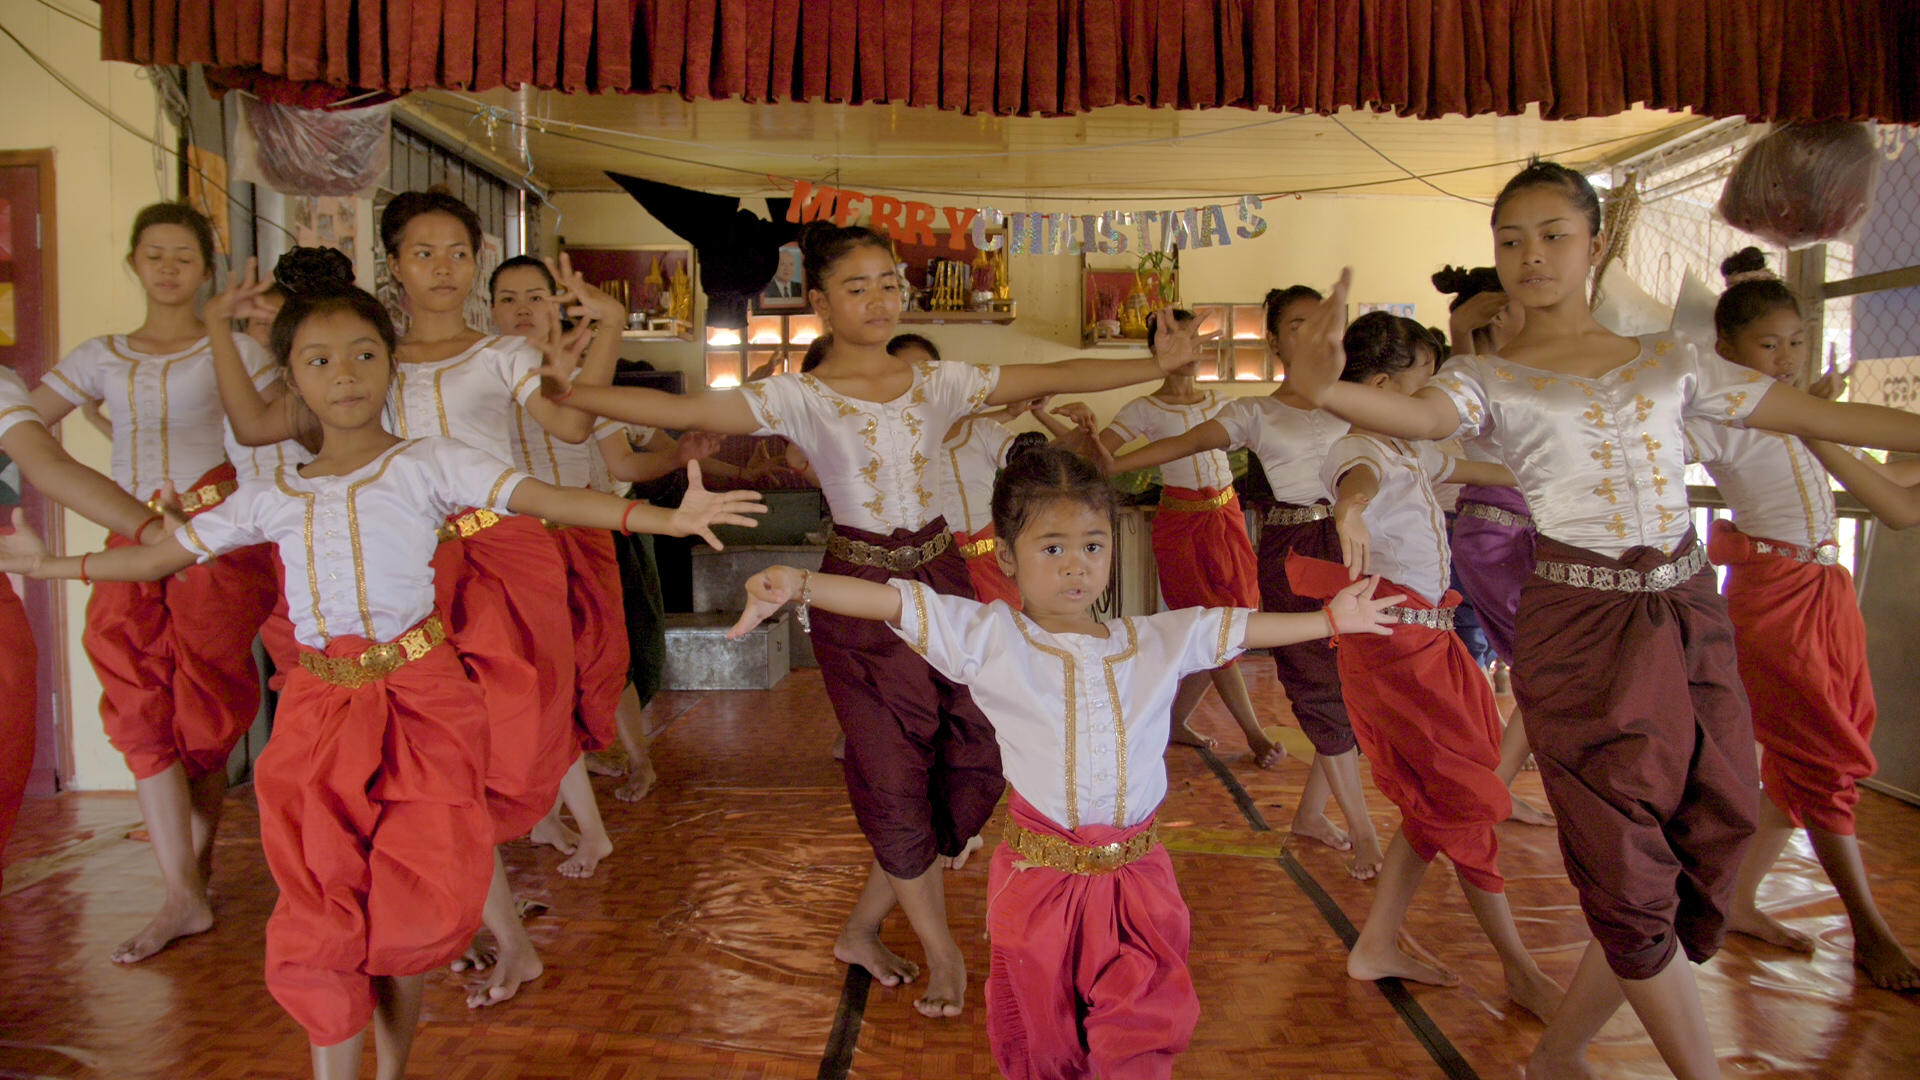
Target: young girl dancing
<point x="1801" y="642"/>
<point x="509" y="614"/>
<point x="1200" y="543"/>
<point x="1089" y="972"/>
<point x="1420" y="705"/>
<point x="923" y="772"/>
<point x="175" y="655"/>
<point x="373" y="805"/>
<point x="1625" y="669"/>
<point x="1291" y="438"/>
<point x="45" y="464"/>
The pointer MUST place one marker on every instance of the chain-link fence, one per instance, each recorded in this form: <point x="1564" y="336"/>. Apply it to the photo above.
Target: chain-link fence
<point x="1879" y="331"/>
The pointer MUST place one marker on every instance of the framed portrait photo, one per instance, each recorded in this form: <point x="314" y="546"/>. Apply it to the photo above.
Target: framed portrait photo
<point x="787" y="292"/>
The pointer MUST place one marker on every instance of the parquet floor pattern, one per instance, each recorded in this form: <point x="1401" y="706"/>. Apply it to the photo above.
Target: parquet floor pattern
<point x="702" y="948"/>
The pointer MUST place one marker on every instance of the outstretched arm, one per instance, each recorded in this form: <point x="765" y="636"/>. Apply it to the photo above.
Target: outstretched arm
<point x="47" y="466"/>
<point x="852" y="597"/>
<point x="1896" y="504"/>
<point x="1315" y="375"/>
<point x="1480" y="474"/>
<point x="604" y="318"/>
<point x="23" y="552"/>
<point x="660" y="456"/>
<point x="1173" y="348"/>
<point x="1789" y="411"/>
<point x="1353" y="610"/>
<point x="698" y="512"/>
<point x="1211" y="435"/>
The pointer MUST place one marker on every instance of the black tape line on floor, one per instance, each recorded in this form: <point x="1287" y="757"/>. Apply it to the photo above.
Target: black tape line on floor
<point x="1438" y="1046"/>
<point x="838" y="1060"/>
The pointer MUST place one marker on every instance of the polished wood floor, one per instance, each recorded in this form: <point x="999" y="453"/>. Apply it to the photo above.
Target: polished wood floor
<point x="702" y="947"/>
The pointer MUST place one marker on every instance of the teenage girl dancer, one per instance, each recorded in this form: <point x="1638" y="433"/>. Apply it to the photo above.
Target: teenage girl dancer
<point x="1419" y="702"/>
<point x="174" y="656"/>
<point x="1200" y="543"/>
<point x="45" y="464"/>
<point x="923" y="772"/>
<point x="1625" y="667"/>
<point x="510" y="620"/>
<point x="373" y="807"/>
<point x="1291" y="438"/>
<point x="1089" y="973"/>
<point x="1801" y="642"/>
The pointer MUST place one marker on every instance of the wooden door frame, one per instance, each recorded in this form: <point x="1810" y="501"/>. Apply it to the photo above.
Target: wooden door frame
<point x="55" y="655"/>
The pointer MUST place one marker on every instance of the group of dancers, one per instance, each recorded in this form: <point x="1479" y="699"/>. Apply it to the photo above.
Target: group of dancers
<point x="419" y="528"/>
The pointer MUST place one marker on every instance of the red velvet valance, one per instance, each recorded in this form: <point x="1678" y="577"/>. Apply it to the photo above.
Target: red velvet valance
<point x="1764" y="59"/>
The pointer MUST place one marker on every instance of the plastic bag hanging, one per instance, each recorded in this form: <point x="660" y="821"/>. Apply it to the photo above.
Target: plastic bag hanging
<point x="319" y="151"/>
<point x="1803" y="184"/>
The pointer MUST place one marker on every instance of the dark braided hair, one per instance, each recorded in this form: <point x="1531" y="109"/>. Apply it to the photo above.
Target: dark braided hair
<point x="822" y="244"/>
<point x="1552" y="174"/>
<point x="175" y="213"/>
<point x="411" y="204"/>
<point x="1381" y="343"/>
<point x="1039" y="474"/>
<point x="1750" y="299"/>
<point x="1278" y="300"/>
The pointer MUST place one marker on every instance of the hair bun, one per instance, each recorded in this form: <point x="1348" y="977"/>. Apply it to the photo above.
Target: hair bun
<point x="1464" y="284"/>
<point x="1027" y="442"/>
<point x="1748" y="260"/>
<point x="313" y="270"/>
<point x="1451" y="279"/>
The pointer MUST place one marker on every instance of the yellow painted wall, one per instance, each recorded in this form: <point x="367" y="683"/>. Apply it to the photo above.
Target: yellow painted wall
<point x="104" y="176"/>
<point x="1393" y="243"/>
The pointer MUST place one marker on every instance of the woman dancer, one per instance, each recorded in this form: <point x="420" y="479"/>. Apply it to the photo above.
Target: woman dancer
<point x="373" y="809"/>
<point x="1625" y="656"/>
<point x="923" y="771"/>
<point x="174" y="656"/>
<point x="1801" y="642"/>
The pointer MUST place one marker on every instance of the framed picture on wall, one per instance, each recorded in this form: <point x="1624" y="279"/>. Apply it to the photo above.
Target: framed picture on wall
<point x="787" y="292"/>
<point x="1405" y="311"/>
<point x="654" y="281"/>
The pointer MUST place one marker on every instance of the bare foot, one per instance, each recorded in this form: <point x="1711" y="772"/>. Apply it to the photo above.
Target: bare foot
<point x="1184" y="735"/>
<point x="1529" y="765"/>
<point x="840" y="748"/>
<point x="866" y="951"/>
<point x="1886" y="963"/>
<point x="586" y="857"/>
<point x="946" y="986"/>
<point x="955" y="862"/>
<point x="1526" y="813"/>
<point x="551" y="830"/>
<point x="1534" y="992"/>
<point x="1391" y="963"/>
<point x="515" y="968"/>
<point x="478" y="957"/>
<point x="1266" y="752"/>
<point x="175" y="920"/>
<point x="1318" y="827"/>
<point x="1545" y="1065"/>
<point x="1366" y="858"/>
<point x="603" y="763"/>
<point x="639" y="782"/>
<point x="1755" y="923"/>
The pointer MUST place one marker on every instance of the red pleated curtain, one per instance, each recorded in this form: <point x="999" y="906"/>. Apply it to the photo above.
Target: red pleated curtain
<point x="1764" y="59"/>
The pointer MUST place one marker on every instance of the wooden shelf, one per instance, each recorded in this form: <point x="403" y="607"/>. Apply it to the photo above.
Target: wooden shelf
<point x="682" y="332"/>
<point x="988" y="317"/>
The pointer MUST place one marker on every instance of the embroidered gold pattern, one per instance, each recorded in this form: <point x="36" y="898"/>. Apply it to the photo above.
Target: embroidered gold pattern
<point x="1226" y="638"/>
<point x="1594" y="414"/>
<point x="1541" y="382"/>
<point x="1734" y="401"/>
<point x="1642" y="407"/>
<point x="1071" y="731"/>
<point x="313" y="571"/>
<point x="1652" y="444"/>
<point x="1503" y="373"/>
<point x="493" y="497"/>
<point x="1604" y="455"/>
<point x="1605" y="491"/>
<point x="1618" y="526"/>
<point x="1659" y="482"/>
<point x="1662" y="348"/>
<point x="1120" y="720"/>
<point x="920" y="618"/>
<point x="353" y="537"/>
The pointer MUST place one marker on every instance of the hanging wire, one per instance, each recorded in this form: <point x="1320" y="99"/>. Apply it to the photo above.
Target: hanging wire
<point x="1411" y="175"/>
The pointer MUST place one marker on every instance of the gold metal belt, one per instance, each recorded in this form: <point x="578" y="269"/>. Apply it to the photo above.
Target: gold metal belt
<point x="898" y="560"/>
<point x="204" y="497"/>
<point x="1298" y="515"/>
<point x="1434" y="618"/>
<point x="378" y="661"/>
<point x="467" y="524"/>
<point x="979" y="548"/>
<point x="1071" y="858"/>
<point x="1496" y="515"/>
<point x="1826" y="554"/>
<point x="1196" y="506"/>
<point x="1659" y="579"/>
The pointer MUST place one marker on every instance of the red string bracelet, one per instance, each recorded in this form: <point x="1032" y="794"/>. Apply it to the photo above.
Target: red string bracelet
<point x="631" y="507"/>
<point x="84" y="580"/>
<point x="562" y="395"/>
<point x="1333" y="630"/>
<point x="142" y="530"/>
